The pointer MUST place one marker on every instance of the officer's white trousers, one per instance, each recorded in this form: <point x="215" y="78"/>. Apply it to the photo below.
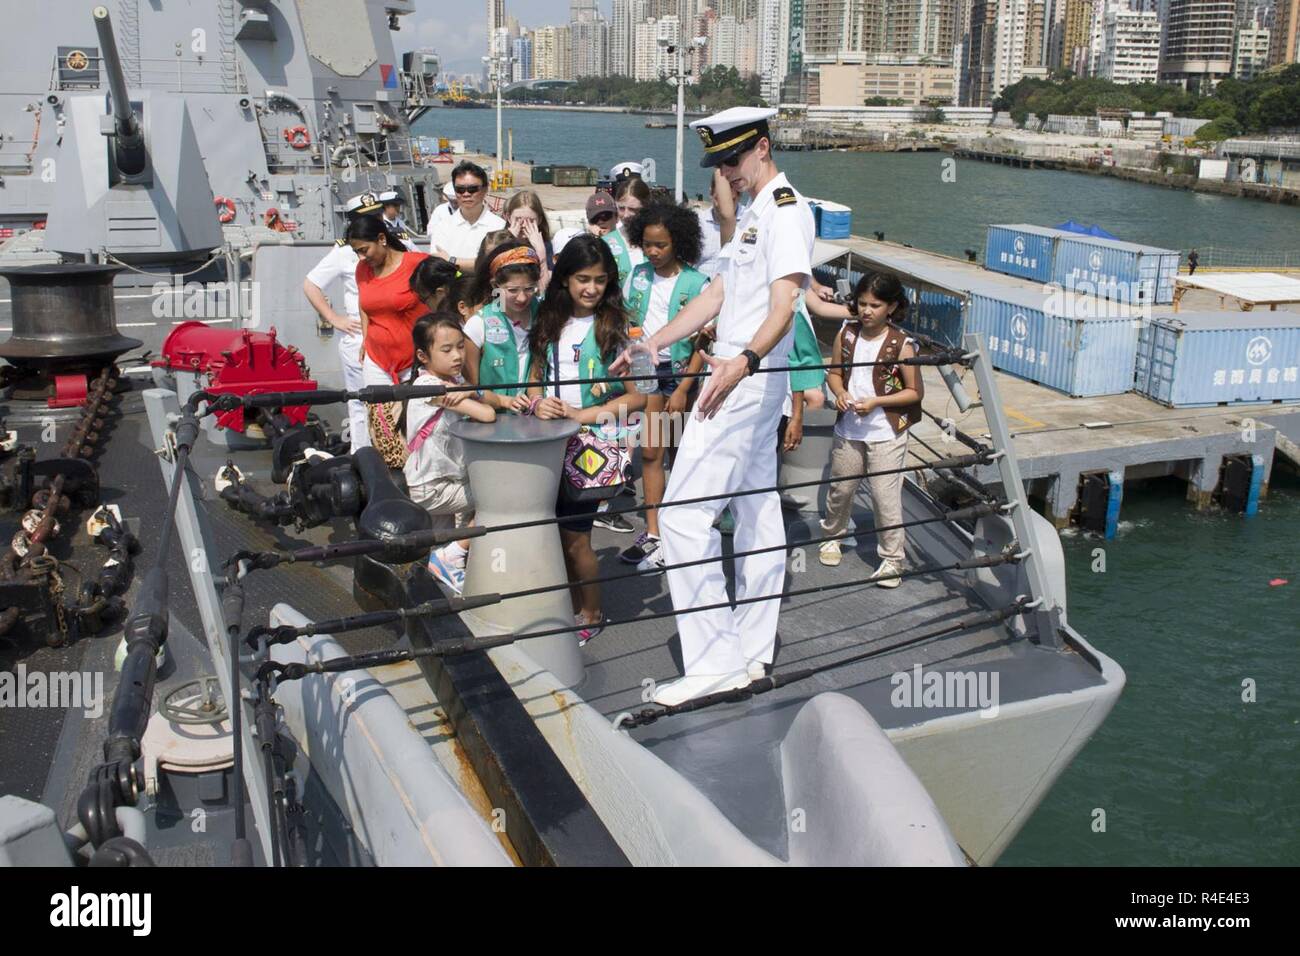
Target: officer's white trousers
<point x="349" y="359"/>
<point x="734" y="451"/>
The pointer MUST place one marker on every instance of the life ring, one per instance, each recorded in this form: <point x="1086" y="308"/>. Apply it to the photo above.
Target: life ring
<point x="227" y="207"/>
<point x="298" y="137"/>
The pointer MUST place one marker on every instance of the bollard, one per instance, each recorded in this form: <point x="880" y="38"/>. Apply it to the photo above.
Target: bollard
<point x="514" y="473"/>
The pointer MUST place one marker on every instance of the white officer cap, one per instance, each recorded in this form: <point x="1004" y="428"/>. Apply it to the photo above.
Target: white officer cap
<point x="390" y="196"/>
<point x="732" y="132"/>
<point x="623" y="170"/>
<point x="363" y="204"/>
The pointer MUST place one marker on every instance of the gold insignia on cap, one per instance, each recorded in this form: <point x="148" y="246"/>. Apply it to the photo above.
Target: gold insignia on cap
<point x="706" y="134"/>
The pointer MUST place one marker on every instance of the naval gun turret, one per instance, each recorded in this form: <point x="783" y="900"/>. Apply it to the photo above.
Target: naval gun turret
<point x="132" y="183"/>
<point x="131" y="158"/>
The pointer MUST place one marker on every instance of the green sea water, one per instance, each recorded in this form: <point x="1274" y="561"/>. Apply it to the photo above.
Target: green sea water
<point x="1200" y="609"/>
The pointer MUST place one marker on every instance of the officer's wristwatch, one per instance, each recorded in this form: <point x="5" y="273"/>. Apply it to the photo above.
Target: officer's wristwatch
<point x="752" y="358"/>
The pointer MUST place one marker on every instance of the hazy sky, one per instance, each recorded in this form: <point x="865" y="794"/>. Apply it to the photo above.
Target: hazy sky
<point x="457" y="29"/>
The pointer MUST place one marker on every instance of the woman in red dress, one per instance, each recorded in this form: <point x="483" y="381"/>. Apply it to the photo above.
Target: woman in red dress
<point x="388" y="306"/>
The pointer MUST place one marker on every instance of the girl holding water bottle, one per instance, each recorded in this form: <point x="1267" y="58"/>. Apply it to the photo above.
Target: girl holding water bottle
<point x="580" y="329"/>
<point x="670" y="238"/>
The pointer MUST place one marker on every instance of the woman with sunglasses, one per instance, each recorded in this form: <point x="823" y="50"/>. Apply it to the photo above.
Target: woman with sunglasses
<point x="496" y="346"/>
<point x="456" y="238"/>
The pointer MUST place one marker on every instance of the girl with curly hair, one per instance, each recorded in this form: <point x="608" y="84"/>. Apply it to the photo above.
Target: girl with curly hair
<point x="669" y="236"/>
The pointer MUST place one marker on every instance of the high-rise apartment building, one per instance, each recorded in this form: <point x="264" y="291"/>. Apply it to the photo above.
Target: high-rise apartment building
<point x="1198" y="43"/>
<point x="1284" y="36"/>
<point x="1130" y="47"/>
<point x="1250" y="51"/>
<point x="1006" y="42"/>
<point x="651" y="59"/>
<point x="773" y="47"/>
<point x="588" y="39"/>
<point x="552" y="54"/>
<point x="521" y="66"/>
<point x="1076" y="33"/>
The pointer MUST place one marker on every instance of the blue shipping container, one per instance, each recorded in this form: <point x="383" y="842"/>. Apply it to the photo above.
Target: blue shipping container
<point x="937" y="315"/>
<point x="1074" y="344"/>
<point x="1212" y="358"/>
<point x="1020" y="250"/>
<point x="1122" y="271"/>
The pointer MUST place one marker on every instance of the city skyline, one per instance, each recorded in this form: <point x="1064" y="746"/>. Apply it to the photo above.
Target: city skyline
<point x="459" y="32"/>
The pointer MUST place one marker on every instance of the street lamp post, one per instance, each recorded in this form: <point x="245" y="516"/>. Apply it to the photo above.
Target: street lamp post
<point x="679" y="78"/>
<point x="498" y="66"/>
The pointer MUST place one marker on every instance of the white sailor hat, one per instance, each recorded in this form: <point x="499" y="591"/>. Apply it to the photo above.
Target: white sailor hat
<point x="731" y="132"/>
<point x="389" y="196"/>
<point x="623" y="170"/>
<point x="364" y="204"/>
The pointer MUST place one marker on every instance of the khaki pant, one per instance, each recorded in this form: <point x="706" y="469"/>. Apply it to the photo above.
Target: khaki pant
<point x="853" y="458"/>
<point x="448" y="501"/>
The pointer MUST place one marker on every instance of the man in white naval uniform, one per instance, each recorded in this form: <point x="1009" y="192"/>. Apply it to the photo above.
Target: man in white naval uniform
<point x="728" y="445"/>
<point x="340" y="264"/>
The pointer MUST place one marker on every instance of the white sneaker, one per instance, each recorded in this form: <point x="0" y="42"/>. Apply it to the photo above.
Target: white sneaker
<point x="886" y="567"/>
<point x="757" y="670"/>
<point x="829" y="553"/>
<point x="699" y="685"/>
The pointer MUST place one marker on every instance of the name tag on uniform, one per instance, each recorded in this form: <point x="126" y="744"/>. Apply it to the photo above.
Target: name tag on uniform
<point x="750" y="236"/>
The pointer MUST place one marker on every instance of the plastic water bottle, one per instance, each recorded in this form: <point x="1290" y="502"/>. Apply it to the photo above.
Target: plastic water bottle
<point x="643" y="363"/>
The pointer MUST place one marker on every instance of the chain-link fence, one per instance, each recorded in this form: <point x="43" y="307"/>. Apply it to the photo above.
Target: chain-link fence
<point x="1217" y="257"/>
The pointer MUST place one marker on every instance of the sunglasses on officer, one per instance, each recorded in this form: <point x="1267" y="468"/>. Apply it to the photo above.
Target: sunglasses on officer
<point x="731" y="162"/>
<point x="468" y="190"/>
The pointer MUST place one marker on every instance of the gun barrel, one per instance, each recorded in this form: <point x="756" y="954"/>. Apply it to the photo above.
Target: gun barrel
<point x="130" y="138"/>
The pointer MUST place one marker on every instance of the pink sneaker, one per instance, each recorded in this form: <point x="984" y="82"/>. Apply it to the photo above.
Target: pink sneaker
<point x="587" y="631"/>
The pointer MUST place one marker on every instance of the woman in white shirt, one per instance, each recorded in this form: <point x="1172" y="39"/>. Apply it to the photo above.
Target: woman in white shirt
<point x="580" y="328"/>
<point x="877" y="404"/>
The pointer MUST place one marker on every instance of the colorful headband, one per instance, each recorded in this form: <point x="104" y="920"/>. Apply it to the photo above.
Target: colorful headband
<point x="520" y="255"/>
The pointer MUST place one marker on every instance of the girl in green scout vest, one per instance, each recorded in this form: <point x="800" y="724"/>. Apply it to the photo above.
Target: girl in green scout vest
<point x="580" y="329"/>
<point x="630" y="195"/>
<point x="877" y="404"/>
<point x="655" y="292"/>
<point x="496" y="353"/>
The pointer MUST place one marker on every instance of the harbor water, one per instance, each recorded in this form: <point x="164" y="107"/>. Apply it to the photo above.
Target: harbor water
<point x="1196" y="764"/>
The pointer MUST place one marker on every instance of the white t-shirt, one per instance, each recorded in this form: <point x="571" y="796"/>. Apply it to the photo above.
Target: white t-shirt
<point x="339" y="265"/>
<point x="656" y="316"/>
<point x="462" y="239"/>
<point x="571" y="339"/>
<point x="441" y="455"/>
<point x="476" y="331"/>
<point x="874" y="426"/>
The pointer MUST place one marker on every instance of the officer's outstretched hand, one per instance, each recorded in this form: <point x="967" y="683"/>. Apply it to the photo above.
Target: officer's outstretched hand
<point x="621" y="364"/>
<point x="725" y="374"/>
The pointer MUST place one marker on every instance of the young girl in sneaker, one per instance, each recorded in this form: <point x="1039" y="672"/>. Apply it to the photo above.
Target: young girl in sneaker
<point x="580" y="329"/>
<point x="669" y="237"/>
<point x="877" y="404"/>
<point x="435" y="470"/>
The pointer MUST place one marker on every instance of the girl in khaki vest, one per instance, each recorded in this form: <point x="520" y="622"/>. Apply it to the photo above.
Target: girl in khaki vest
<point x="877" y="404"/>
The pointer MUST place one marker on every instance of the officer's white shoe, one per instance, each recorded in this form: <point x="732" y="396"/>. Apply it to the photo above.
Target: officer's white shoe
<point x="757" y="670"/>
<point x="700" y="685"/>
<point x="886" y="576"/>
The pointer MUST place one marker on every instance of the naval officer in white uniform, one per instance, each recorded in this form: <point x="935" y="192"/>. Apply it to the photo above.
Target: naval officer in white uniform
<point x="340" y="265"/>
<point x="729" y="444"/>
